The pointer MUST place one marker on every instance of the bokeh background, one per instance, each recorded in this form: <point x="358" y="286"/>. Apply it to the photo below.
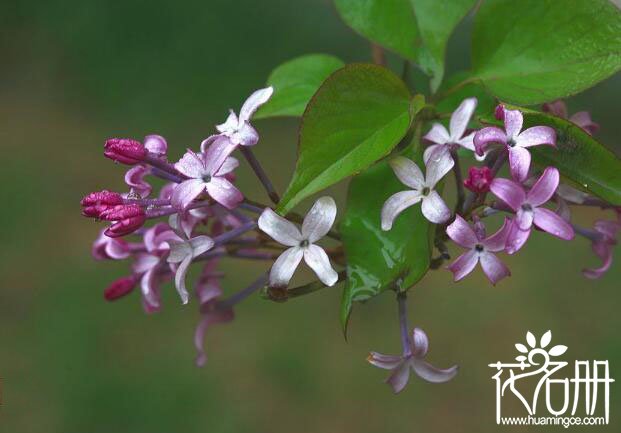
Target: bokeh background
<point x="75" y="72"/>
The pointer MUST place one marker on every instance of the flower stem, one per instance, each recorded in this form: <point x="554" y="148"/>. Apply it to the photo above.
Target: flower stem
<point x="459" y="184"/>
<point x="377" y="53"/>
<point x="242" y="294"/>
<point x="258" y="170"/>
<point x="225" y="237"/>
<point x="403" y="324"/>
<point x="164" y="166"/>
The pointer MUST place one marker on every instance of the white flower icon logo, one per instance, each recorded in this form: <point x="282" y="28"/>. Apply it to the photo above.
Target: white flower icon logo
<point x="543" y="343"/>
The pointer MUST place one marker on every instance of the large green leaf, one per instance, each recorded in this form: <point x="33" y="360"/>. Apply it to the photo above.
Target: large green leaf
<point x="579" y="157"/>
<point x="295" y="82"/>
<point x="379" y="260"/>
<point x="356" y="117"/>
<point x="456" y="91"/>
<point x="436" y="21"/>
<point x="532" y="51"/>
<point x="417" y="30"/>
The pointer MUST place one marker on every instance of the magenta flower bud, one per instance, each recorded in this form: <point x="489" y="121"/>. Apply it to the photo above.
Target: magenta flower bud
<point x="126" y="219"/>
<point x="97" y="202"/>
<point x="479" y="179"/>
<point x="124" y="150"/>
<point x="499" y="113"/>
<point x="119" y="288"/>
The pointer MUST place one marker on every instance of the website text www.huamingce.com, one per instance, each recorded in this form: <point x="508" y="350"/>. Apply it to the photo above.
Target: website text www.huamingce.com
<point x="565" y="421"/>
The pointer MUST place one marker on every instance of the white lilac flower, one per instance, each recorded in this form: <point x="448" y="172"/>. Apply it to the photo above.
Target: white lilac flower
<point x="423" y="190"/>
<point x="183" y="252"/>
<point x="315" y="226"/>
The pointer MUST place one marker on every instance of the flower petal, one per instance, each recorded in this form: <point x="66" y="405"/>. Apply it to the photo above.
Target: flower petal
<point x="134" y="178"/>
<point x="558" y="350"/>
<point x="319" y="219"/>
<point x="396" y="204"/>
<point x="583" y="120"/>
<point x="254" y="101"/>
<point x="544" y="188"/>
<point x="182" y="270"/>
<point x="208" y="319"/>
<point x="246" y="135"/>
<point x="434" y="208"/>
<point x="545" y="339"/>
<point x="224" y="192"/>
<point x="468" y="142"/>
<point x="524" y="219"/>
<point x="156" y="144"/>
<point x="284" y="267"/>
<point x="461" y="233"/>
<point x="279" y="229"/>
<point x="407" y="172"/>
<point x="438" y="134"/>
<point x="509" y="192"/>
<point x="531" y="340"/>
<point x="230" y="124"/>
<point x="437" y="167"/>
<point x="186" y="192"/>
<point x="149" y="290"/>
<point x="420" y="343"/>
<point x="191" y="165"/>
<point x="399" y="377"/>
<point x="387" y="362"/>
<point x="494" y="269"/>
<point x="217" y="154"/>
<point x="201" y="244"/>
<point x="513" y="122"/>
<point x="463" y="265"/>
<point x="317" y="259"/>
<point x="519" y="163"/>
<point x="432" y="374"/>
<point x="516" y="239"/>
<point x="461" y="117"/>
<point x="536" y="136"/>
<point x="436" y="151"/>
<point x="521" y="348"/>
<point x="498" y="240"/>
<point x="550" y="222"/>
<point x="604" y="252"/>
<point x="483" y="138"/>
<point x="570" y="194"/>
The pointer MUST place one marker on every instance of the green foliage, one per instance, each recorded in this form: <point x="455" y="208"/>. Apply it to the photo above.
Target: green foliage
<point x="295" y="82"/>
<point x="379" y="260"/>
<point x="579" y="157"/>
<point x="356" y="117"/>
<point x="532" y="51"/>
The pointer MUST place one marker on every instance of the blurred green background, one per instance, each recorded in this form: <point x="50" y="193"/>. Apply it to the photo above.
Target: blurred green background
<point x="76" y="72"/>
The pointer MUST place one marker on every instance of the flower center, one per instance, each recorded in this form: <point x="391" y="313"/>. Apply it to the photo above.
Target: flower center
<point x="511" y="142"/>
<point x="304" y="243"/>
<point x="478" y="248"/>
<point x="527" y="207"/>
<point x="425" y="191"/>
<point x="207" y="178"/>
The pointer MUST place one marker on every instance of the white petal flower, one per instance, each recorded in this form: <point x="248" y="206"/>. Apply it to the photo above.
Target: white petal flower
<point x="315" y="226"/>
<point x="183" y="252"/>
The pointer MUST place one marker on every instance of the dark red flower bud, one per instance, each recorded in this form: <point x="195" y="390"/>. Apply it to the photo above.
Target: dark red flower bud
<point x="119" y="288"/>
<point x="124" y="150"/>
<point x="127" y="219"/>
<point x="499" y="113"/>
<point x="97" y="202"/>
<point x="479" y="179"/>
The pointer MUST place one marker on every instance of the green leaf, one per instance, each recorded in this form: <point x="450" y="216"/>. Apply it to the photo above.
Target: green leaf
<point x="356" y="117"/>
<point x="417" y="30"/>
<point x="532" y="51"/>
<point x="486" y="103"/>
<point x="579" y="157"/>
<point x="436" y="21"/>
<point x="379" y="260"/>
<point x="295" y="82"/>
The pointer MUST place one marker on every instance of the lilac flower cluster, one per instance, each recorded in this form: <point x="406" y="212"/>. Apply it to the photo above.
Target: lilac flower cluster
<point x="200" y="217"/>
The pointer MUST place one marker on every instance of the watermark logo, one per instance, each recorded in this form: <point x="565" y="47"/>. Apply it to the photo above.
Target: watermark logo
<point x="560" y="396"/>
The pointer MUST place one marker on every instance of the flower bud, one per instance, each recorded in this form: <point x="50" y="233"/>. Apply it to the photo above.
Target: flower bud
<point x="119" y="288"/>
<point x="479" y="179"/>
<point x="97" y="202"/>
<point x="499" y="113"/>
<point x="126" y="219"/>
<point x="124" y="150"/>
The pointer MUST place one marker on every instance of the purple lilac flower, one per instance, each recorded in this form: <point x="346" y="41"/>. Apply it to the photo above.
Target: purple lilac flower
<point x="423" y="190"/>
<point x="134" y="178"/>
<point x="481" y="249"/>
<point x="604" y="241"/>
<point x="445" y="141"/>
<point x="479" y="179"/>
<point x="581" y="118"/>
<point x="120" y="287"/>
<point x="206" y="174"/>
<point x="315" y="226"/>
<point x="516" y="141"/>
<point x="528" y="208"/>
<point x="156" y="144"/>
<point x="413" y="358"/>
<point x="182" y="253"/>
<point x="106" y="247"/>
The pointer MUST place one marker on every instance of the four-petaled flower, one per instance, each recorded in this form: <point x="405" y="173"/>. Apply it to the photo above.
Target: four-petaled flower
<point x="446" y="141"/>
<point x="238" y="129"/>
<point x="581" y="118"/>
<point x="481" y="249"/>
<point x="604" y="242"/>
<point x="423" y="189"/>
<point x="316" y="225"/>
<point x="412" y="358"/>
<point x="183" y="252"/>
<point x="206" y="174"/>
<point x="516" y="141"/>
<point x="528" y="208"/>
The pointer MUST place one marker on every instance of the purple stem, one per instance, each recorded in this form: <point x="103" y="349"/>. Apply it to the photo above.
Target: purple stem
<point x="169" y="210"/>
<point x="166" y="176"/>
<point x="403" y="324"/>
<point x="225" y="237"/>
<point x="592" y="235"/>
<point x="258" y="170"/>
<point x="147" y="201"/>
<point x="164" y="166"/>
<point x="242" y="294"/>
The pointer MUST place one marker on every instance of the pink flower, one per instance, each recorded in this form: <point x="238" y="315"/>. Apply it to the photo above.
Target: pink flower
<point x="182" y="252"/>
<point x="581" y="118"/>
<point x="126" y="219"/>
<point x="156" y="144"/>
<point x="316" y="225"/>
<point x="119" y="288"/>
<point x="97" y="202"/>
<point x="446" y="141"/>
<point x="481" y="249"/>
<point x="413" y="359"/>
<point x="206" y="175"/>
<point x="528" y="208"/>
<point x="516" y="141"/>
<point x="125" y="150"/>
<point x="604" y="241"/>
<point x="106" y="247"/>
<point x="134" y="178"/>
<point x="479" y="179"/>
<point x="423" y="190"/>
